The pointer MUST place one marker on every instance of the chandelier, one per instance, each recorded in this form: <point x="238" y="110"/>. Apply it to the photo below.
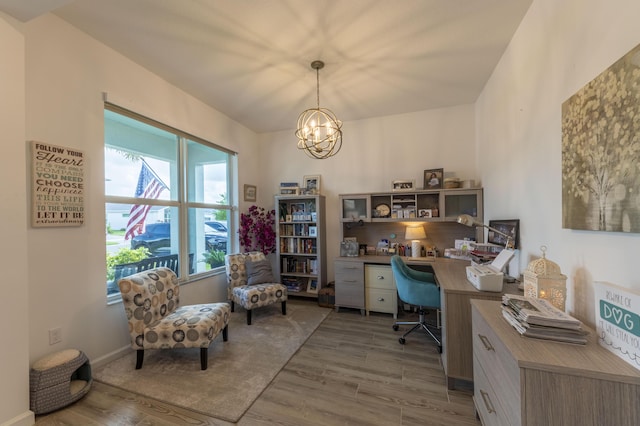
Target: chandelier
<point x="319" y="131"/>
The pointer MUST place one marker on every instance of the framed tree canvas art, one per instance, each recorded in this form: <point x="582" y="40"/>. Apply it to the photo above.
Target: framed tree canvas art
<point x="601" y="151"/>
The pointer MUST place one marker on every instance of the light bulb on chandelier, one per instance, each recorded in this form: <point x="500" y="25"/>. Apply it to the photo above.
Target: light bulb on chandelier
<point x="319" y="131"/>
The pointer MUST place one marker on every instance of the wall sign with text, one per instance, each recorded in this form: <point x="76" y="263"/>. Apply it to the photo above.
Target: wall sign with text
<point x="618" y="322"/>
<point x="57" y="185"/>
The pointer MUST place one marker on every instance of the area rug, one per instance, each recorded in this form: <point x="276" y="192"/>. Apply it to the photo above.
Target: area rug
<point x="239" y="369"/>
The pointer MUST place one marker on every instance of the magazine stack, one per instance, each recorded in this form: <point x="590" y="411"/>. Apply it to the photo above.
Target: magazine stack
<point x="539" y="319"/>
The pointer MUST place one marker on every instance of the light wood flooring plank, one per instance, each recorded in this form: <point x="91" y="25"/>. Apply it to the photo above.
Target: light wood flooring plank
<point x="351" y="371"/>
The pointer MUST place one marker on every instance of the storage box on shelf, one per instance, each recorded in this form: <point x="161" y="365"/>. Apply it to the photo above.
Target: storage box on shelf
<point x="301" y="247"/>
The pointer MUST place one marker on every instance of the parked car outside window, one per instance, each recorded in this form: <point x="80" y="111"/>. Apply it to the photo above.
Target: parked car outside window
<point x="157" y="237"/>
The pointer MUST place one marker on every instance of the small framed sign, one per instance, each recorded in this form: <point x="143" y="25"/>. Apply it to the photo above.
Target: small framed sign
<point x="57" y="185"/>
<point x="618" y="322"/>
<point x="404" y="185"/>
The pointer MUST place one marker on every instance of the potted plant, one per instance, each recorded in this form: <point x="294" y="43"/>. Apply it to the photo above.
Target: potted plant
<point x="213" y="258"/>
<point x="257" y="230"/>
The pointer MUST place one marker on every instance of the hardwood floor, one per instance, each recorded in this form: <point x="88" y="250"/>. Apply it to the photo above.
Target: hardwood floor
<point x="351" y="371"/>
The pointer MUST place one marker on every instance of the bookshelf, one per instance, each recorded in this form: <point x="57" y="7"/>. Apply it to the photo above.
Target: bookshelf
<point x="301" y="246"/>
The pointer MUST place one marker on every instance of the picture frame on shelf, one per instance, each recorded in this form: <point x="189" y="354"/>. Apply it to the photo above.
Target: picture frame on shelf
<point x="425" y="213"/>
<point x="311" y="184"/>
<point x="433" y="178"/>
<point x="403" y="185"/>
<point x="313" y="231"/>
<point x="312" y="286"/>
<point x="297" y="211"/>
<point x="508" y="226"/>
<point x="289" y="188"/>
<point x="250" y="192"/>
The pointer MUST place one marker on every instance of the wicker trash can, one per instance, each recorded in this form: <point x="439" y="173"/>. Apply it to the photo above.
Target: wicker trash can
<point x="327" y="296"/>
<point x="58" y="380"/>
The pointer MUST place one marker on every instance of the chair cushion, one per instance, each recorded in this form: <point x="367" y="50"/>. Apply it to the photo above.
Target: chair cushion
<point x="255" y="296"/>
<point x="192" y="326"/>
<point x="259" y="272"/>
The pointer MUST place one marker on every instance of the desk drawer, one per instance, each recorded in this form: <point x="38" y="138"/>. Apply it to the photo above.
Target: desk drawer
<point x="500" y="369"/>
<point x="487" y="404"/>
<point x="349" y="284"/>
<point x="380" y="300"/>
<point x="349" y="271"/>
<point x="379" y="276"/>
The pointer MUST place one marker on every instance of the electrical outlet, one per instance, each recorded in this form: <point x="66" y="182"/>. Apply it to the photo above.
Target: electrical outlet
<point x="55" y="335"/>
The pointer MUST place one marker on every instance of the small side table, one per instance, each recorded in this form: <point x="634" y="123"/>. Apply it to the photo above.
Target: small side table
<point x="58" y="380"/>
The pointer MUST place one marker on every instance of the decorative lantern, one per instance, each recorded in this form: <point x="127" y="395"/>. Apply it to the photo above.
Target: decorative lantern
<point x="543" y="280"/>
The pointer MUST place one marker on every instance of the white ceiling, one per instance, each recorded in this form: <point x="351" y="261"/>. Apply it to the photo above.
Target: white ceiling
<point x="250" y="59"/>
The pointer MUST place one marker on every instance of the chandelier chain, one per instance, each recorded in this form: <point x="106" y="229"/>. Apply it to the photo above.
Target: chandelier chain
<point x="318" y="87"/>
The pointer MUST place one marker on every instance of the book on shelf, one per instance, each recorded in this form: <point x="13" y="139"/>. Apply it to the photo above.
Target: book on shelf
<point x="538" y="318"/>
<point x="294" y="285"/>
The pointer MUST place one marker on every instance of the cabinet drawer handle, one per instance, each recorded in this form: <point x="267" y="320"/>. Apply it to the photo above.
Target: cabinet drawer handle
<point x="487" y="402"/>
<point x="380" y="299"/>
<point x="485" y="341"/>
<point x="381" y="277"/>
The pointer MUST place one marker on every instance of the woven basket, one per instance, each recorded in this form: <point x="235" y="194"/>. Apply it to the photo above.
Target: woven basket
<point x="450" y="183"/>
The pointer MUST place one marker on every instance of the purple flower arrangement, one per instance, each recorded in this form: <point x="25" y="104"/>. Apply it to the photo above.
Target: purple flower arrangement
<point x="257" y="230"/>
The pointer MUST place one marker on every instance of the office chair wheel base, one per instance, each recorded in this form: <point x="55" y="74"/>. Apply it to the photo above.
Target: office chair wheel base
<point x="401" y="340"/>
<point x="395" y="327"/>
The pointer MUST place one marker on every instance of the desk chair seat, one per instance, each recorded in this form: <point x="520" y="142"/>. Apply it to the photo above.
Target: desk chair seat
<point x="419" y="289"/>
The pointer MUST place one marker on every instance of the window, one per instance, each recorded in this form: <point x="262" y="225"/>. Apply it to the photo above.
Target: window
<point x="166" y="199"/>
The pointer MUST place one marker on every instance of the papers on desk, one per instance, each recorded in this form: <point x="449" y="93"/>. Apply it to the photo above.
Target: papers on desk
<point x="489" y="277"/>
<point x="539" y="319"/>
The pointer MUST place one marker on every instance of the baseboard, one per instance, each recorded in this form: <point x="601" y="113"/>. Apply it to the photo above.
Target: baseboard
<point x="105" y="359"/>
<point x="27" y="418"/>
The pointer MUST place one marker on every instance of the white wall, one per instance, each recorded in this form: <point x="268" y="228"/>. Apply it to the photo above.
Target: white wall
<point x="374" y="153"/>
<point x="66" y="73"/>
<point x="559" y="47"/>
<point x="14" y="315"/>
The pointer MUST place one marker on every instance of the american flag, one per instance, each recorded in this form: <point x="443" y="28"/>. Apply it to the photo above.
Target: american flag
<point x="149" y="186"/>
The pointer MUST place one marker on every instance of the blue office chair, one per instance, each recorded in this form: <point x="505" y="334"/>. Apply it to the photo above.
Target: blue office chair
<point x="419" y="289"/>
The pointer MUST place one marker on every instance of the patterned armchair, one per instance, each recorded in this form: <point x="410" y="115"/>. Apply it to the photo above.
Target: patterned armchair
<point x="151" y="301"/>
<point x="251" y="283"/>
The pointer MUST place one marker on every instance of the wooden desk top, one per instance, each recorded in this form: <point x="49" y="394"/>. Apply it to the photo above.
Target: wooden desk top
<point x="450" y="273"/>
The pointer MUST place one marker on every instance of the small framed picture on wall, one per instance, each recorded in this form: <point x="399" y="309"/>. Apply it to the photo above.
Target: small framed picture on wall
<point x="250" y="192"/>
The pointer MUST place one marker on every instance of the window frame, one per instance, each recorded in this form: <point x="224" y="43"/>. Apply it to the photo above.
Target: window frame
<point x="182" y="203"/>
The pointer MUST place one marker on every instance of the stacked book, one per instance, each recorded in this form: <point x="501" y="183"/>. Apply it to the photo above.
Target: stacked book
<point x="294" y="285"/>
<point x="539" y="319"/>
